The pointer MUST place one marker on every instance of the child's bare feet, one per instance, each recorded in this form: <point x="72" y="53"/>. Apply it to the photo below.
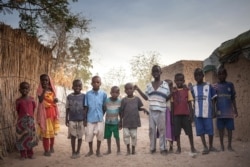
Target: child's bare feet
<point x="107" y="153"/>
<point x="178" y="151"/>
<point x="222" y="147"/>
<point x="230" y="148"/>
<point x="98" y="154"/>
<point x="89" y="154"/>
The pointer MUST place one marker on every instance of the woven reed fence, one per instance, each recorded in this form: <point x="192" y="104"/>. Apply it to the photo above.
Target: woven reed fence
<point x="22" y="58"/>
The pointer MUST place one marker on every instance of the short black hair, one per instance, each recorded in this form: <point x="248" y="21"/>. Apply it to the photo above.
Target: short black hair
<point x="179" y="75"/>
<point x="23" y="83"/>
<point x="156" y="66"/>
<point x="222" y="68"/>
<point x="76" y="80"/>
<point x="198" y="70"/>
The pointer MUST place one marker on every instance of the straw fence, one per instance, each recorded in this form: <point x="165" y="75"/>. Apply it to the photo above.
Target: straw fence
<point x="22" y="58"/>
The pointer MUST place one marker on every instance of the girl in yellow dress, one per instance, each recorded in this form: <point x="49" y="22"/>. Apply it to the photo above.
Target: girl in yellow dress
<point x="47" y="114"/>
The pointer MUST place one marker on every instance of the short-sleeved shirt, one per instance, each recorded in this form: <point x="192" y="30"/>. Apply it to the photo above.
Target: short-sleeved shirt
<point x="225" y="96"/>
<point x="75" y="104"/>
<point x="94" y="101"/>
<point x="180" y="99"/>
<point x="157" y="98"/>
<point x="130" y="112"/>
<point x="203" y="95"/>
<point x="112" y="111"/>
<point x="25" y="107"/>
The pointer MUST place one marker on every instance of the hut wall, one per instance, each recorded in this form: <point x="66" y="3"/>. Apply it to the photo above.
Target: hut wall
<point x="22" y="58"/>
<point x="186" y="67"/>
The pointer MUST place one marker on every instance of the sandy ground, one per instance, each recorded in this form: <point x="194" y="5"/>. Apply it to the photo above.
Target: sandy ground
<point x="61" y="158"/>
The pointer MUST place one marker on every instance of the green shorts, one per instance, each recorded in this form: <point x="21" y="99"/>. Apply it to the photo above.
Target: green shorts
<point x="109" y="129"/>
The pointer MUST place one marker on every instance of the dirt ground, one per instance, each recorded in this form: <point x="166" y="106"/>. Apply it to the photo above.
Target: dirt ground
<point x="61" y="158"/>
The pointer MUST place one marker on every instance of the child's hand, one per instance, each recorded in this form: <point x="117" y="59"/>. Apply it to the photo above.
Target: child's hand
<point x="135" y="87"/>
<point x="85" y="123"/>
<point x="145" y="111"/>
<point x="55" y="100"/>
<point x="67" y="122"/>
<point x="120" y="125"/>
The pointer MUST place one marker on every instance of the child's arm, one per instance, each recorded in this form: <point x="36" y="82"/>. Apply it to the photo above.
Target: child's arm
<point x="144" y="110"/>
<point x="140" y="92"/>
<point x="85" y="112"/>
<point x="235" y="108"/>
<point x="67" y="117"/>
<point x="172" y="112"/>
<point x="191" y="111"/>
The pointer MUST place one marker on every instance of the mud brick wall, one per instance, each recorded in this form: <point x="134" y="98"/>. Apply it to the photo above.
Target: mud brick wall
<point x="186" y="67"/>
<point x="239" y="74"/>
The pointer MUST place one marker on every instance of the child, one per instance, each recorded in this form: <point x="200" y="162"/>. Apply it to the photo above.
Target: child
<point x="130" y="118"/>
<point x="157" y="93"/>
<point x="113" y="105"/>
<point x="47" y="113"/>
<point x="75" y="116"/>
<point x="94" y="111"/>
<point x="182" y="110"/>
<point x="25" y="128"/>
<point x="203" y="95"/>
<point x="169" y="124"/>
<point x="226" y="107"/>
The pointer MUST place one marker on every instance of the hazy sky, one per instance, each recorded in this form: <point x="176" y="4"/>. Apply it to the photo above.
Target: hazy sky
<point x="176" y="29"/>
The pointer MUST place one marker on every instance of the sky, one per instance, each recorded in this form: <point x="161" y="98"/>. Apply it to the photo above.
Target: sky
<point x="175" y="29"/>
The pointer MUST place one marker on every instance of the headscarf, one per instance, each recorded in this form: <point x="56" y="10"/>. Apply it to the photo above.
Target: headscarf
<point x="41" y="111"/>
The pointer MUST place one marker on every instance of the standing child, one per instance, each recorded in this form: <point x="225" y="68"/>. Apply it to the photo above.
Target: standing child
<point x="113" y="105"/>
<point x="226" y="107"/>
<point x="47" y="113"/>
<point x="75" y="116"/>
<point x="157" y="93"/>
<point x="94" y="111"/>
<point x="130" y="118"/>
<point x="204" y="96"/>
<point x="182" y="110"/>
<point x="25" y="128"/>
<point x="169" y="121"/>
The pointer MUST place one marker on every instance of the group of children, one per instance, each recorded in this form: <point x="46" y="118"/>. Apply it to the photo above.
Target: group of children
<point x="171" y="109"/>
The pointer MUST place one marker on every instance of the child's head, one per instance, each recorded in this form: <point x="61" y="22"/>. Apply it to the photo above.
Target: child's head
<point x="179" y="80"/>
<point x="114" y="92"/>
<point x="222" y="74"/>
<point x="96" y="82"/>
<point x="24" y="88"/>
<point x="77" y="86"/>
<point x="45" y="81"/>
<point x="156" y="71"/>
<point x="129" y="89"/>
<point x="198" y="75"/>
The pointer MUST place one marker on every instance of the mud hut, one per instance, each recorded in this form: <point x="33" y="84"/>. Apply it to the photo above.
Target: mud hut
<point x="22" y="58"/>
<point x="235" y="55"/>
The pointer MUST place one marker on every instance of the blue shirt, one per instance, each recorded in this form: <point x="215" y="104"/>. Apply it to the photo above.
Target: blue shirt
<point x="203" y="95"/>
<point x="94" y="101"/>
<point x="225" y="96"/>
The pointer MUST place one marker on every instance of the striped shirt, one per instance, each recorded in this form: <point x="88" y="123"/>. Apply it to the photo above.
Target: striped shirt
<point x="157" y="98"/>
<point x="203" y="95"/>
<point x="112" y="112"/>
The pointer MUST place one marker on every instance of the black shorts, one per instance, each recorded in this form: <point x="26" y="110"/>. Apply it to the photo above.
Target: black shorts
<point x="182" y="122"/>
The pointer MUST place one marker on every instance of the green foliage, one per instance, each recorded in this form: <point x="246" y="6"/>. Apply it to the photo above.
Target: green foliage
<point x="141" y="66"/>
<point x="79" y="61"/>
<point x="33" y="13"/>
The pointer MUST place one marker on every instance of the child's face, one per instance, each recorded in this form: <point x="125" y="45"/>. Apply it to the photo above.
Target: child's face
<point x="45" y="82"/>
<point x="179" y="81"/>
<point x="198" y="76"/>
<point x="24" y="89"/>
<point x="222" y="75"/>
<point x="96" y="83"/>
<point x="115" y="92"/>
<point x="156" y="72"/>
<point x="77" y="87"/>
<point x="129" y="90"/>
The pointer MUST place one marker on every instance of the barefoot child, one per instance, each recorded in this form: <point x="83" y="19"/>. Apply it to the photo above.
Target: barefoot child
<point x="113" y="105"/>
<point x="226" y="107"/>
<point x="25" y="128"/>
<point x="181" y="107"/>
<point x="74" y="117"/>
<point x="204" y="96"/>
<point x="94" y="110"/>
<point x="130" y="118"/>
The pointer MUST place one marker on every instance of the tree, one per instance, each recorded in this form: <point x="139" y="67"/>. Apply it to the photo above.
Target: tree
<point x="141" y="66"/>
<point x="114" y="77"/>
<point x="33" y="13"/>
